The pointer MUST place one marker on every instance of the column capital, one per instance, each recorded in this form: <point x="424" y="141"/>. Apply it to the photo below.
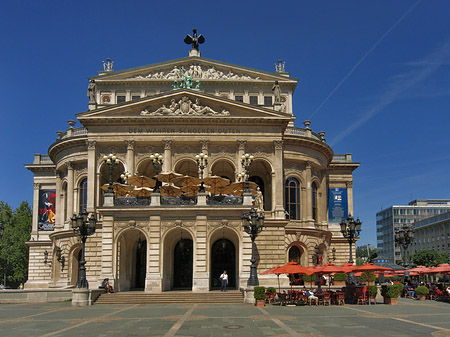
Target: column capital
<point x="36" y="186"/>
<point x="69" y="165"/>
<point x="205" y="145"/>
<point x="278" y="144"/>
<point x="241" y="144"/>
<point x="349" y="184"/>
<point x="167" y="144"/>
<point x="91" y="144"/>
<point x="130" y="144"/>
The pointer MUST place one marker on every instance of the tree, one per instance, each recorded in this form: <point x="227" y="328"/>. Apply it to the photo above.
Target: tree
<point x="428" y="258"/>
<point x="13" y="249"/>
<point x="365" y="255"/>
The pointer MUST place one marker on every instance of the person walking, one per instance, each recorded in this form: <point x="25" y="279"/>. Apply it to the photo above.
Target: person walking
<point x="224" y="281"/>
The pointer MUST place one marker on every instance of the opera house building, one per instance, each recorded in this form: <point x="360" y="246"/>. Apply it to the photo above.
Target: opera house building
<point x="165" y="163"/>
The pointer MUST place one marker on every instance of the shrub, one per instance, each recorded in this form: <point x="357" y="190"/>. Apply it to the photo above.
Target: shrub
<point x="309" y="278"/>
<point x="422" y="290"/>
<point x="260" y="293"/>
<point x="400" y="287"/>
<point x="389" y="291"/>
<point x="367" y="277"/>
<point x="271" y="290"/>
<point x="373" y="290"/>
<point x="340" y="277"/>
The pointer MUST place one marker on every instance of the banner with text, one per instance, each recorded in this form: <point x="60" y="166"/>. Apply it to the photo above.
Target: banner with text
<point x="337" y="204"/>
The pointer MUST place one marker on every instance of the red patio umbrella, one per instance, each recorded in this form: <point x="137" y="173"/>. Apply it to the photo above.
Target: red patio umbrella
<point x="442" y="269"/>
<point x="289" y="268"/>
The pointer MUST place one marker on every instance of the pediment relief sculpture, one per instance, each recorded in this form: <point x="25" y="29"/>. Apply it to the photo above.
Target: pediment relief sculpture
<point x="197" y="72"/>
<point x="185" y="107"/>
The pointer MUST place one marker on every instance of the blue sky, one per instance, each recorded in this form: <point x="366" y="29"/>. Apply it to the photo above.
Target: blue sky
<point x="375" y="75"/>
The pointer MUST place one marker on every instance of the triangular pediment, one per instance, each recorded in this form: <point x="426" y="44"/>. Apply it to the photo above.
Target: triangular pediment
<point x="181" y="104"/>
<point x="200" y="69"/>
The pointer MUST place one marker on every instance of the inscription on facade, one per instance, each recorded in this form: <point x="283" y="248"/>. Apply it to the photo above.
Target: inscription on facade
<point x="184" y="130"/>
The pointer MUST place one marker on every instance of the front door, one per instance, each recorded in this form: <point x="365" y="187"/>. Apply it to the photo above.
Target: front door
<point x="223" y="257"/>
<point x="183" y="263"/>
<point x="141" y="264"/>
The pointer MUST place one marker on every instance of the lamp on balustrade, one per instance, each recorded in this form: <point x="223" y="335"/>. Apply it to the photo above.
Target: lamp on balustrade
<point x="202" y="163"/>
<point x="111" y="161"/>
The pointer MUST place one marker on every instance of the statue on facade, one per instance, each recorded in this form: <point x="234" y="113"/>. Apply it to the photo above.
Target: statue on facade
<point x="108" y="65"/>
<point x="277" y="92"/>
<point x="194" y="39"/>
<point x="91" y="91"/>
<point x="259" y="201"/>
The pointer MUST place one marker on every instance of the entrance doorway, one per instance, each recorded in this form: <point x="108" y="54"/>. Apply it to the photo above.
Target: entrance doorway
<point x="223" y="257"/>
<point x="141" y="264"/>
<point x="183" y="265"/>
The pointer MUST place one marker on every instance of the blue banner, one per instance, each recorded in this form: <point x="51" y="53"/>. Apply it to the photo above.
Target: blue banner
<point x="337" y="204"/>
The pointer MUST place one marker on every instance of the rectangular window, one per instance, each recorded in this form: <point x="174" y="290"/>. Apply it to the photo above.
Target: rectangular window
<point x="267" y="100"/>
<point x="135" y="97"/>
<point x="254" y="100"/>
<point x="239" y="99"/>
<point x="121" y="99"/>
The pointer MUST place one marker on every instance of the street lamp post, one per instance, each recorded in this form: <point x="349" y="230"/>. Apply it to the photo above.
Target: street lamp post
<point x="202" y="163"/>
<point x="404" y="236"/>
<point x="157" y="162"/>
<point x="246" y="161"/>
<point x="84" y="227"/>
<point x="112" y="161"/>
<point x="253" y="225"/>
<point x="350" y="229"/>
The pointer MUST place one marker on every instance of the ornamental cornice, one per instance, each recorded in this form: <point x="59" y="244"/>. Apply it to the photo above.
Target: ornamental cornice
<point x="168" y="225"/>
<point x="225" y="223"/>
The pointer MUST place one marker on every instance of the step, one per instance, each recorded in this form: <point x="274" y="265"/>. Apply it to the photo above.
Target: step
<point x="139" y="297"/>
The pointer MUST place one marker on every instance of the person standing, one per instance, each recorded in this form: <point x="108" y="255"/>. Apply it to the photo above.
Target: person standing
<point x="224" y="281"/>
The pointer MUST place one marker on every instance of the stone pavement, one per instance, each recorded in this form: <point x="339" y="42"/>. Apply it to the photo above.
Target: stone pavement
<point x="409" y="318"/>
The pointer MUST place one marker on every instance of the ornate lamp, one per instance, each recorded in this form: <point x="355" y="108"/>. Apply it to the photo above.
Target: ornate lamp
<point x="350" y="229"/>
<point x="84" y="227"/>
<point x="404" y="236"/>
<point x="112" y="161"/>
<point x="124" y="176"/>
<point x="246" y="161"/>
<point x="202" y="163"/>
<point x="253" y="225"/>
<point x="157" y="162"/>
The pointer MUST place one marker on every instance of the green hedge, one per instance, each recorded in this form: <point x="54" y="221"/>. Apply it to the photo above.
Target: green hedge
<point x="340" y="277"/>
<point x="372" y="290"/>
<point x="309" y="278"/>
<point x="400" y="287"/>
<point x="389" y="291"/>
<point x="422" y="290"/>
<point x="260" y="293"/>
<point x="271" y="290"/>
<point x="367" y="277"/>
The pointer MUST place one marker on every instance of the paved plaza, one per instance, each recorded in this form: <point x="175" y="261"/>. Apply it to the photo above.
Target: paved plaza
<point x="409" y="318"/>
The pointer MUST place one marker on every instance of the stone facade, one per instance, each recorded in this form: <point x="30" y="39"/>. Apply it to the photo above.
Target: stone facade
<point x="160" y="245"/>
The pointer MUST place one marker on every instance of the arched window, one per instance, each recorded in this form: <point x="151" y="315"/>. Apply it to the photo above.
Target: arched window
<point x="314" y="200"/>
<point x="295" y="254"/>
<point x="292" y="198"/>
<point x="83" y="195"/>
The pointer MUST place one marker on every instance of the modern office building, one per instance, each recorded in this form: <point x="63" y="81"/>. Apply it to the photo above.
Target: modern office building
<point x="394" y="217"/>
<point x="432" y="233"/>
<point x="181" y="237"/>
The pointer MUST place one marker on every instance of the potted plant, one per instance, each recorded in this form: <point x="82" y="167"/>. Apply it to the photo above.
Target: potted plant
<point x="422" y="292"/>
<point x="367" y="277"/>
<point x="260" y="296"/>
<point x="372" y="290"/>
<point x="390" y="294"/>
<point x="400" y="287"/>
<point x="339" y="279"/>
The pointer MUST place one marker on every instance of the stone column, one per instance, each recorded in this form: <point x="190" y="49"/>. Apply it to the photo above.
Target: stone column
<point x="167" y="165"/>
<point x="308" y="212"/>
<point x="130" y="156"/>
<point x="349" y="185"/>
<point x="107" y="248"/>
<point x="70" y="190"/>
<point x="91" y="181"/>
<point x="241" y="151"/>
<point x="153" y="279"/>
<point x="277" y="199"/>
<point x="34" y="226"/>
<point x="59" y="218"/>
<point x="201" y="276"/>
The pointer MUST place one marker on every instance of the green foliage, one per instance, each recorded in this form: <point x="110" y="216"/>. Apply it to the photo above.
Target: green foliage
<point x="271" y="290"/>
<point x="422" y="290"/>
<point x="368" y="277"/>
<point x="389" y="291"/>
<point x="13" y="250"/>
<point x="260" y="293"/>
<point x="400" y="287"/>
<point x="309" y="278"/>
<point x="428" y="258"/>
<point x="365" y="255"/>
<point x="373" y="290"/>
<point x="340" y="277"/>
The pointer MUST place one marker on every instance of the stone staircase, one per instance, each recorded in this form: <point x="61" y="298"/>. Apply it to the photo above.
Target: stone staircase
<point x="141" y="297"/>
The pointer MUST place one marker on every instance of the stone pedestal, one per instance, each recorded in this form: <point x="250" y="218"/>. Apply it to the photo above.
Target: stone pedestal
<point x="277" y="106"/>
<point x="247" y="199"/>
<point x="108" y="200"/>
<point x="201" y="199"/>
<point x="249" y="294"/>
<point x="156" y="200"/>
<point x="80" y="297"/>
<point x="92" y="106"/>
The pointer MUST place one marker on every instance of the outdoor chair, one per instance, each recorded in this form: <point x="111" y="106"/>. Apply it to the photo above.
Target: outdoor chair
<point x="270" y="297"/>
<point x="326" y="298"/>
<point x="340" y="298"/>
